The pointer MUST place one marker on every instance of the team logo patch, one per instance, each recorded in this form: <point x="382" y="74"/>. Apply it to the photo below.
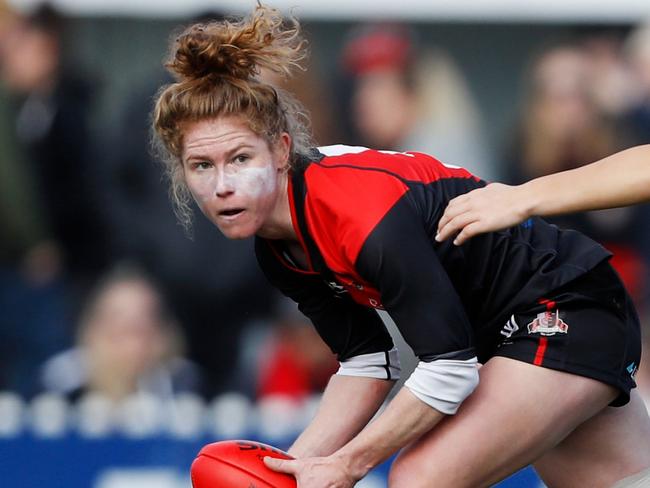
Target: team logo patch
<point x="548" y="323"/>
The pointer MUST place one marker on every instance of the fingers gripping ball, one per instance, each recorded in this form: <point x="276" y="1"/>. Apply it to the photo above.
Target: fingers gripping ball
<point x="238" y="464"/>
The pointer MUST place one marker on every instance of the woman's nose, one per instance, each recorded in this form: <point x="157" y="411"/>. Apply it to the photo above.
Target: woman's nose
<point x="224" y="186"/>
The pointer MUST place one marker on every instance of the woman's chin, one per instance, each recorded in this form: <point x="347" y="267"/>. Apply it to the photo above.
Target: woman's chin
<point x="237" y="232"/>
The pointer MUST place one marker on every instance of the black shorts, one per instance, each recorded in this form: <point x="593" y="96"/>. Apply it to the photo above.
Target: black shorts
<point x="588" y="327"/>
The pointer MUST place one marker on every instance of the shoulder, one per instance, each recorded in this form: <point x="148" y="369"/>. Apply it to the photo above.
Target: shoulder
<point x="412" y="165"/>
<point x="368" y="171"/>
<point x="347" y="176"/>
<point x="350" y="190"/>
<point x="347" y="193"/>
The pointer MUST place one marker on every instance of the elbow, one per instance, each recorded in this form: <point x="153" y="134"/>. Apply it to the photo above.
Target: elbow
<point x="383" y="365"/>
<point x="444" y="384"/>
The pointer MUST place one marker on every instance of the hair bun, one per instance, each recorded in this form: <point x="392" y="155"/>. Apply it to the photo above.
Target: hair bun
<point x="201" y="54"/>
<point x="237" y="49"/>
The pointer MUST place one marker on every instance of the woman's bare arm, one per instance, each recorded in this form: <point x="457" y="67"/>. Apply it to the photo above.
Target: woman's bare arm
<point x="348" y="404"/>
<point x="615" y="181"/>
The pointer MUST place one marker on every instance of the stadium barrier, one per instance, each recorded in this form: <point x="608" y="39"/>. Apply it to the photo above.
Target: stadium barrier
<point x="144" y="442"/>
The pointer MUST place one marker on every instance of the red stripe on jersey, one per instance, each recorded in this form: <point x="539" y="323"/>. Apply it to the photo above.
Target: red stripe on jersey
<point x="541" y="350"/>
<point x="550" y="304"/>
<point x="296" y="228"/>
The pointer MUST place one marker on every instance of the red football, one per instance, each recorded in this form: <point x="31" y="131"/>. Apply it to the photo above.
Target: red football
<point x="238" y="464"/>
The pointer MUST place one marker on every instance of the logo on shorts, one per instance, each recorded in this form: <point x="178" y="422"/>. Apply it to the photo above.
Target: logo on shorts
<point x="510" y="328"/>
<point x="632" y="368"/>
<point x="548" y="323"/>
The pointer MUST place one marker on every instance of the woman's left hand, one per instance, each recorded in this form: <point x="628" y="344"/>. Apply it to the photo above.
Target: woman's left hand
<point x="315" y="472"/>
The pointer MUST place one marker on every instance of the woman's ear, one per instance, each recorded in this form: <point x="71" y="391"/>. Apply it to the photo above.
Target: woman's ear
<point x="282" y="151"/>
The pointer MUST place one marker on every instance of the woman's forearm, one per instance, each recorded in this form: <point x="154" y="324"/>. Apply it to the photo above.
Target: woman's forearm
<point x="405" y="419"/>
<point x="348" y="404"/>
<point x="615" y="181"/>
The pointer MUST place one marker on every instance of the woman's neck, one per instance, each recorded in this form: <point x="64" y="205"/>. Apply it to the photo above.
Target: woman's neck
<point x="280" y="224"/>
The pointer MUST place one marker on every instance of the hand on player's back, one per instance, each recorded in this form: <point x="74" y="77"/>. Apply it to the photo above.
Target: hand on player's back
<point x="494" y="207"/>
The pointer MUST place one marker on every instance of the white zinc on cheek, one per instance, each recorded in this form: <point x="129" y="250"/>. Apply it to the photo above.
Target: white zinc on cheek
<point x="253" y="182"/>
<point x="202" y="188"/>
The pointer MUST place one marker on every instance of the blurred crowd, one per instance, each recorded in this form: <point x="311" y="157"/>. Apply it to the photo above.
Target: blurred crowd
<point x="102" y="292"/>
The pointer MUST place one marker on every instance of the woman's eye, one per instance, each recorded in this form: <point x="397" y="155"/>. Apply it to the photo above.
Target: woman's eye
<point x="201" y="165"/>
<point x="241" y="158"/>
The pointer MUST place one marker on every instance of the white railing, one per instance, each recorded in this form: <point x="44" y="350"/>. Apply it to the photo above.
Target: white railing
<point x="421" y="10"/>
<point x="184" y="416"/>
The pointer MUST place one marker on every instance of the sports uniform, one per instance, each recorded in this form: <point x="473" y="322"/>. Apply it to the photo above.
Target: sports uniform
<point x="366" y="221"/>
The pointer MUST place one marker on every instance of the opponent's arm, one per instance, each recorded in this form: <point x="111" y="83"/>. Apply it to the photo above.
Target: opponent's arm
<point x="615" y="181"/>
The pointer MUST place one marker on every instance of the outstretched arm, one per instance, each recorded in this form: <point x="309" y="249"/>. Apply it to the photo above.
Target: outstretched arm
<point x="615" y="181"/>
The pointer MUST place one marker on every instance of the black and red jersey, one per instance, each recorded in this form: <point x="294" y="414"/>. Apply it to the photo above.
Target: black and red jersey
<point x="366" y="221"/>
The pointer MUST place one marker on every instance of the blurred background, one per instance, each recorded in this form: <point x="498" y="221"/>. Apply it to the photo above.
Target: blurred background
<point x="125" y="344"/>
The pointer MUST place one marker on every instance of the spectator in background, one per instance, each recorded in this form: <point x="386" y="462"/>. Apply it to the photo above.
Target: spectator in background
<point x="53" y="105"/>
<point x="34" y="317"/>
<point x="126" y="343"/>
<point x="560" y="125"/>
<point x="637" y="52"/>
<point x="407" y="98"/>
<point x="19" y="229"/>
<point x="612" y="81"/>
<point x="213" y="285"/>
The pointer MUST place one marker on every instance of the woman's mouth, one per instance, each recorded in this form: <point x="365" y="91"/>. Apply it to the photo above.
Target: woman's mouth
<point x="231" y="213"/>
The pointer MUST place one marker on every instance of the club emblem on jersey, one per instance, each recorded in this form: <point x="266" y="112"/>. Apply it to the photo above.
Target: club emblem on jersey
<point x="548" y="323"/>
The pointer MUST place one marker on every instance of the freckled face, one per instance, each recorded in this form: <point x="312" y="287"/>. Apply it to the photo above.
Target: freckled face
<point x="233" y="175"/>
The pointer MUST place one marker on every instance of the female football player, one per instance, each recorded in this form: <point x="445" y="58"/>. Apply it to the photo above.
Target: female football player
<point x="346" y="230"/>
